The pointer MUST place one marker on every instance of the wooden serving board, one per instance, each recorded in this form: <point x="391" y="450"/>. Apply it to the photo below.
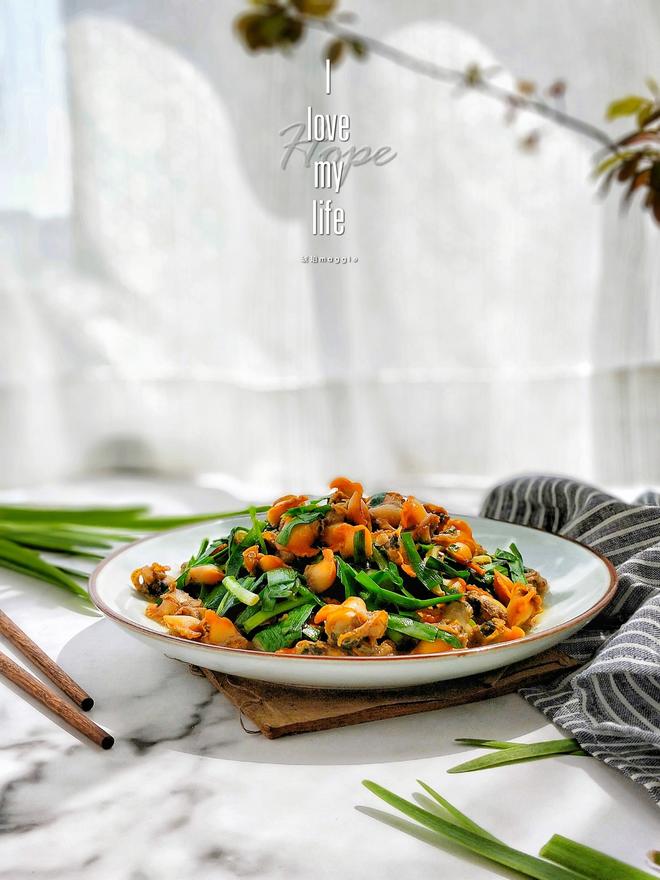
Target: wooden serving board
<point x="279" y="711"/>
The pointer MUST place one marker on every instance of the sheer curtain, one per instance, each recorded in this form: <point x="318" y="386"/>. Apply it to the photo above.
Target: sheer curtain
<point x="156" y="312"/>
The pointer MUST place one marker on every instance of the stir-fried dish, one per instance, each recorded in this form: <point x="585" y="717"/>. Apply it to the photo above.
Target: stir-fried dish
<point x="347" y="575"/>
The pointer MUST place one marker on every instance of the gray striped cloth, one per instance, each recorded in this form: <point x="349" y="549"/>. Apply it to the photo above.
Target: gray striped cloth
<point x="611" y="705"/>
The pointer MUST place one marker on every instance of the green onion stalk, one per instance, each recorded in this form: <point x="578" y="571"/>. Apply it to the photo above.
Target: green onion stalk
<point x="69" y="534"/>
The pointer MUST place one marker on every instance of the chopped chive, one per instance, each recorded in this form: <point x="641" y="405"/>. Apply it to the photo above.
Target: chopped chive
<point x="346" y="577"/>
<point x="359" y="547"/>
<point x="416" y="629"/>
<point x="430" y="579"/>
<point x="260" y="617"/>
<point x="285" y="633"/>
<point x="247" y="597"/>
<point x="392" y="598"/>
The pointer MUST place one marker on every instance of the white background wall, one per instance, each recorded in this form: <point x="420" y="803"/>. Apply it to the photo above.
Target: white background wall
<point x="154" y="309"/>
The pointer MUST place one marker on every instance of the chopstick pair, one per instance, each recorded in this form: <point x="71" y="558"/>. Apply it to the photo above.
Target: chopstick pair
<point x="35" y="688"/>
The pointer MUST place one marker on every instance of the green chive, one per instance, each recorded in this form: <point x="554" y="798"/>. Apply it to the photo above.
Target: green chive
<point x="514" y="754"/>
<point x="460" y="817"/>
<point x="233" y="586"/>
<point x="500" y="744"/>
<point x="486" y="743"/>
<point x="30" y="563"/>
<point x="590" y="862"/>
<point x="425" y="632"/>
<point x="388" y="596"/>
<point x="258" y="528"/>
<point x="260" y="617"/>
<point x="493" y="850"/>
<point x="430" y="579"/>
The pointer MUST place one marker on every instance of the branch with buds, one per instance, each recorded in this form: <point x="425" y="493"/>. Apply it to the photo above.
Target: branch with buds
<point x="633" y="160"/>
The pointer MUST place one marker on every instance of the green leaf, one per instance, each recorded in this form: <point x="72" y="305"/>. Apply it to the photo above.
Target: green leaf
<point x="518" y="753"/>
<point x="359" y="547"/>
<point x="472" y="841"/>
<point x="301" y="516"/>
<point x="514" y="562"/>
<point x="284" y="633"/>
<point x="346" y="577"/>
<point x="359" y="48"/>
<point x="281" y="584"/>
<point x="260" y="617"/>
<point x="590" y="862"/>
<point x="390" y="598"/>
<point x="611" y="162"/>
<point x="432" y="581"/>
<point x="199" y="558"/>
<point x="215" y="597"/>
<point x="258" y="526"/>
<point x="627" y="106"/>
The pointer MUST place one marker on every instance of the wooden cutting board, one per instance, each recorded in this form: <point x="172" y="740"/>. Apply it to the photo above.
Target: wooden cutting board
<point x="277" y="711"/>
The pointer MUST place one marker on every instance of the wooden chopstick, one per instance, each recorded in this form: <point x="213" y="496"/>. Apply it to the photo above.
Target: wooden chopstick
<point x="23" y="643"/>
<point x="34" y="688"/>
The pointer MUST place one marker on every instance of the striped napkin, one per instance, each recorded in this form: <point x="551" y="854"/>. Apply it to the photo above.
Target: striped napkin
<point x="611" y="705"/>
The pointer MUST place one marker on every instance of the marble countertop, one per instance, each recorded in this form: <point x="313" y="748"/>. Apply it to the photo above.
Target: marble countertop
<point x="186" y="793"/>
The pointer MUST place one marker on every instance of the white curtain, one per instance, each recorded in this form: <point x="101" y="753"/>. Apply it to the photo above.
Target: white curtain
<point x="155" y="309"/>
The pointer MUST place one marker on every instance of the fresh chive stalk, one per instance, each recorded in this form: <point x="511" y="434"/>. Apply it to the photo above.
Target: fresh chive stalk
<point x="590" y="862"/>
<point x="470" y="840"/>
<point x="133" y="518"/>
<point x="517" y="753"/>
<point x="28" y="562"/>
<point x="504" y="744"/>
<point x="456" y="814"/>
<point x="26" y="531"/>
<point x="486" y="743"/>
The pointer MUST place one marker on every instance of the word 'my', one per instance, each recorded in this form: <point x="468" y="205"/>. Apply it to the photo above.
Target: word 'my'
<point x="326" y="218"/>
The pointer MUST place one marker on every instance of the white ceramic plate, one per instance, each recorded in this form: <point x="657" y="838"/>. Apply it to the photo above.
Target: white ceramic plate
<point x="580" y="582"/>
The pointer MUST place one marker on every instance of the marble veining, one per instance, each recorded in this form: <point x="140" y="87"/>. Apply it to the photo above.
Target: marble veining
<point x="186" y="793"/>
